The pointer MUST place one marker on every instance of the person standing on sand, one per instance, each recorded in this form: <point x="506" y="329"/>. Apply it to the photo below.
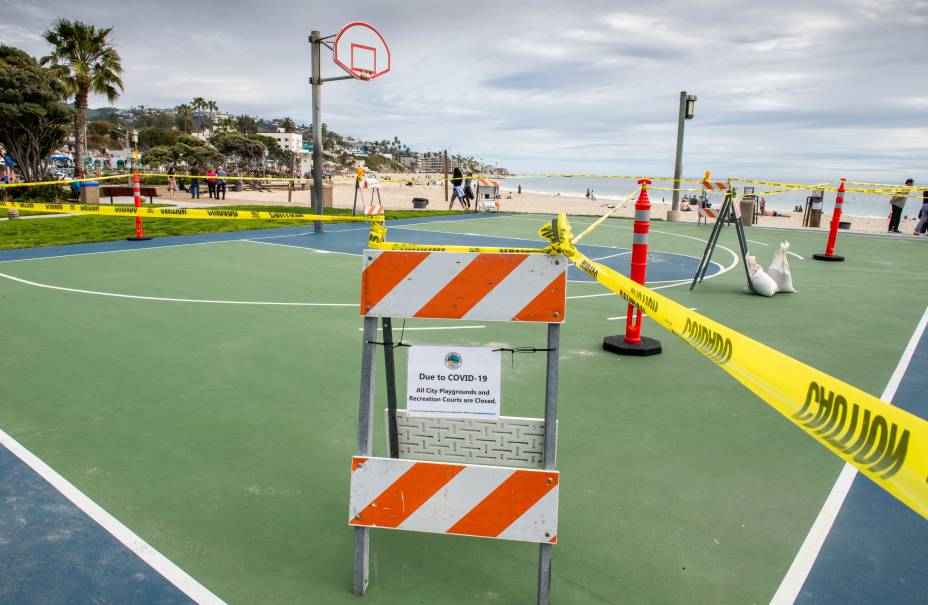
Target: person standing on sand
<point x="221" y="175"/>
<point x="897" y="204"/>
<point x="520" y="189"/>
<point x="468" y="190"/>
<point x="194" y="187"/>
<point x="457" y="182"/>
<point x="211" y="182"/>
<point x="922" y="227"/>
<point x="172" y="183"/>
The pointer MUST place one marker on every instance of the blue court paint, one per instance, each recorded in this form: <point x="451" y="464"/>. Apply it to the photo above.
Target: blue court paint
<point x="662" y="266"/>
<point x="203" y="238"/>
<point x="52" y="552"/>
<point x="351" y="238"/>
<point x="877" y="550"/>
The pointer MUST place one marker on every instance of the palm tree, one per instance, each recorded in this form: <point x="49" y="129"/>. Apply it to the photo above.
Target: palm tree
<point x="183" y="117"/>
<point x="211" y="106"/>
<point x="86" y="62"/>
<point x="288" y="125"/>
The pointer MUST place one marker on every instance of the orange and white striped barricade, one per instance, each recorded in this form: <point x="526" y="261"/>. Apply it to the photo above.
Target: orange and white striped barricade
<point x="704" y="214"/>
<point x="486" y="477"/>
<point x="487" y="195"/>
<point x="375" y="210"/>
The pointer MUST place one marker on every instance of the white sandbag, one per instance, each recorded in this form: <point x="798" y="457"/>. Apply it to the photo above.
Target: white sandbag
<point x="762" y="283"/>
<point x="779" y="269"/>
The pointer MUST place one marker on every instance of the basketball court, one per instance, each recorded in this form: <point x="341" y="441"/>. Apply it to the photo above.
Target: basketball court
<point x="180" y="415"/>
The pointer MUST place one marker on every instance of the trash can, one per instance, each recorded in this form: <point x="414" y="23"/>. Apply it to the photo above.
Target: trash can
<point x="419" y="203"/>
<point x="327" y="195"/>
<point x="747" y="212"/>
<point x="90" y="192"/>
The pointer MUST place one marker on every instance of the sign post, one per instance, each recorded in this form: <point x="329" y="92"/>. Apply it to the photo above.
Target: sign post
<point x="360" y="50"/>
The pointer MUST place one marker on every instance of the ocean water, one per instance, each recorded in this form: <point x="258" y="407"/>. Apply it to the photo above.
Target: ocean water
<point x="855" y="204"/>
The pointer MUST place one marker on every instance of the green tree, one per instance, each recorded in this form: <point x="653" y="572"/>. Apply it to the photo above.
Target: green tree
<point x="211" y="106"/>
<point x="248" y="152"/>
<point x="154" y="137"/>
<point x="246" y="124"/>
<point x="162" y="156"/>
<point x="104" y="134"/>
<point x="86" y="62"/>
<point x="287" y="125"/>
<point x="183" y="117"/>
<point x="161" y="119"/>
<point x="33" y="116"/>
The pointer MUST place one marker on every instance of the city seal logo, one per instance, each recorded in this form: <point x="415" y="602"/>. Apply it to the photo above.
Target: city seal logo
<point x="453" y="360"/>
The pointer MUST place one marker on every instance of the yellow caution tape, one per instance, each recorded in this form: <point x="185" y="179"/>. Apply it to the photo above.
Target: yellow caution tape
<point x="67" y="182"/>
<point x="887" y="444"/>
<point x="189" y="213"/>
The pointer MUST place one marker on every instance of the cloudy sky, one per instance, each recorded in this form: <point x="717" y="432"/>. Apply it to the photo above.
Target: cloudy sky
<point x="787" y="89"/>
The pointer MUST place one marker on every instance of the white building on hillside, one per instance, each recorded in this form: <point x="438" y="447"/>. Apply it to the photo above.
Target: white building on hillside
<point x="288" y="141"/>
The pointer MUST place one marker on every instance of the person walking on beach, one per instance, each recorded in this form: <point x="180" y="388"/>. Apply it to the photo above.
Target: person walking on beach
<point x="172" y="183"/>
<point x="520" y="189"/>
<point x="587" y="193"/>
<point x="221" y="175"/>
<point x="211" y="182"/>
<point x="922" y="227"/>
<point x="194" y="187"/>
<point x="457" y="191"/>
<point x="468" y="190"/>
<point x="897" y="204"/>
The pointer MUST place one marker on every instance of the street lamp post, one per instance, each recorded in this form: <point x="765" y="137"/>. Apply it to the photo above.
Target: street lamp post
<point x="135" y="153"/>
<point x="687" y="109"/>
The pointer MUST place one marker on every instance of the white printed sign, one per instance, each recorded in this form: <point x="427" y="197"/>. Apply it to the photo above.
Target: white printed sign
<point x="453" y="382"/>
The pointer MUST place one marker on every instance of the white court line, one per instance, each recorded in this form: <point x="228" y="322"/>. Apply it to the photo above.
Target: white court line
<point x="433" y="328"/>
<point x="788" y="252"/>
<point x="799" y="570"/>
<point x="180" y="300"/>
<point x="171" y="572"/>
<point x="671" y="285"/>
<point x="168" y="246"/>
<point x="612" y="255"/>
<point x="320" y="251"/>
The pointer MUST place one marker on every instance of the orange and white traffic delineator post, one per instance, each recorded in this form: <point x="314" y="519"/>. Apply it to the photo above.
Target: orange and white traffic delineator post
<point x="503" y="484"/>
<point x="833" y="232"/>
<point x="632" y="342"/>
<point x="139" y="231"/>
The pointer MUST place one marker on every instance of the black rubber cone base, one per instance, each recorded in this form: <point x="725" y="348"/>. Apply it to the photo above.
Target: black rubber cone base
<point x="617" y="344"/>
<point x="833" y="257"/>
<point x="134" y="238"/>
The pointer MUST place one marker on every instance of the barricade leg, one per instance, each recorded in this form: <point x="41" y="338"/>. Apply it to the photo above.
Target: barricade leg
<point x="632" y="342"/>
<point x="365" y="447"/>
<point x="833" y="232"/>
<point x="550" y="452"/>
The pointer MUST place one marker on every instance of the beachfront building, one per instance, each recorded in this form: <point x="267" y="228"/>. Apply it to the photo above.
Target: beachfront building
<point x="288" y="141"/>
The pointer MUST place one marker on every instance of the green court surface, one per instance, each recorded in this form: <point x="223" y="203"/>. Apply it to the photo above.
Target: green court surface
<point x="222" y="433"/>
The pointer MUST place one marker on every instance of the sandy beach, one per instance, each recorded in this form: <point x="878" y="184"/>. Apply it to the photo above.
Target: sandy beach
<point x="398" y="196"/>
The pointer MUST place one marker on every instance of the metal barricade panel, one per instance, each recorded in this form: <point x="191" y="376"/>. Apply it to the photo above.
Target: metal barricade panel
<point x="464" y="285"/>
<point x="508" y="441"/>
<point x="460" y="499"/>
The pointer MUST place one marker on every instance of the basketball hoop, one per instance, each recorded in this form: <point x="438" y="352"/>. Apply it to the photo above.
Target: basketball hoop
<point x="360" y="50"/>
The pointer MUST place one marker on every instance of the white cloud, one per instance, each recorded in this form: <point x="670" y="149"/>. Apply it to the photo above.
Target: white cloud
<point x="790" y="89"/>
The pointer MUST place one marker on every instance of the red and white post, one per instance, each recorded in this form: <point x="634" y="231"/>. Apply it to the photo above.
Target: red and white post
<point x="833" y="232"/>
<point x="139" y="232"/>
<point x="632" y="342"/>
